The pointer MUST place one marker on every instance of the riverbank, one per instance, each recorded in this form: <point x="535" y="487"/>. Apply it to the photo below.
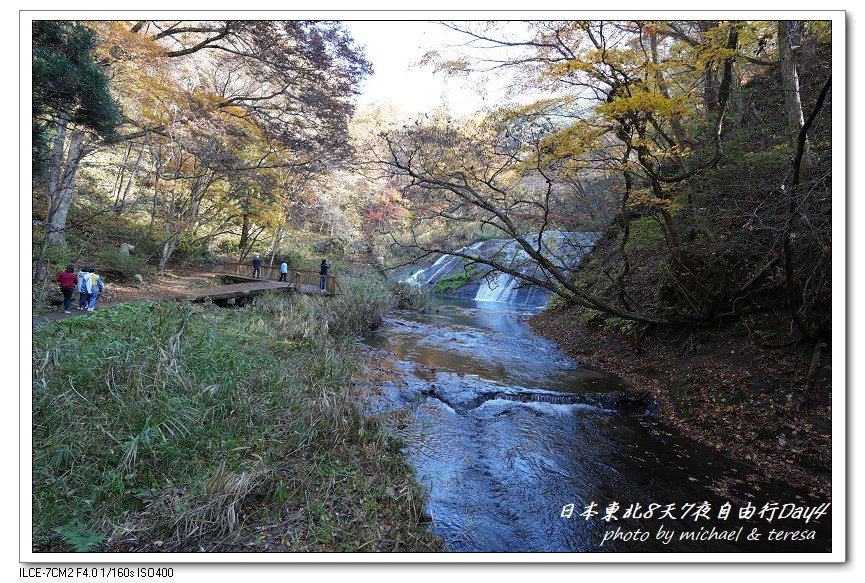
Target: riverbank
<point x="734" y="388"/>
<point x="171" y="427"/>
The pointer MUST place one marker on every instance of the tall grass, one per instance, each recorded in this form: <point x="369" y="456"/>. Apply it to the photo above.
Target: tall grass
<point x="163" y="426"/>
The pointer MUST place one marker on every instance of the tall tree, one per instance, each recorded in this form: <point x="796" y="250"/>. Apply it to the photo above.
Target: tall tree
<point x="789" y="43"/>
<point x="239" y="96"/>
<point x="622" y="110"/>
<point x="70" y="92"/>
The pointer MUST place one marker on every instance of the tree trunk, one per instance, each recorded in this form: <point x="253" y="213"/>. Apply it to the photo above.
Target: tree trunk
<point x="56" y="221"/>
<point x="57" y="158"/>
<point x="277" y="241"/>
<point x="155" y="205"/>
<point x="167" y="250"/>
<point x="118" y="183"/>
<point x="626" y="232"/>
<point x="199" y="187"/>
<point x="794" y="299"/>
<point x="244" y="237"/>
<point x="710" y="84"/>
<point x="811" y="378"/>
<point x="119" y="207"/>
<point x="678" y="131"/>
<point x="57" y="151"/>
<point x="790" y="83"/>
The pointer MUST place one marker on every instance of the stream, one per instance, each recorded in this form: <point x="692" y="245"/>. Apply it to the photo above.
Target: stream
<point x="505" y="432"/>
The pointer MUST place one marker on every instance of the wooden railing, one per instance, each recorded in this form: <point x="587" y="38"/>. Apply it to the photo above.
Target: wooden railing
<point x="301" y="279"/>
<point x="311" y="281"/>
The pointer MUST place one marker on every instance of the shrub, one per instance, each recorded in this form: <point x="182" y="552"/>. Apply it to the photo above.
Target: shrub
<point x="620" y="325"/>
<point x="296" y="257"/>
<point x="227" y="247"/>
<point x="113" y="264"/>
<point x="590" y="316"/>
<point x="410" y="297"/>
<point x="359" y="305"/>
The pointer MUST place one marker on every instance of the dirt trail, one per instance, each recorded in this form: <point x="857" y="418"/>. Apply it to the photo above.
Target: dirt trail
<point x="172" y="285"/>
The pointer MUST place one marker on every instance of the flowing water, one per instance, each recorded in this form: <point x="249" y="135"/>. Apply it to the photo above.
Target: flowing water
<point x="505" y="432"/>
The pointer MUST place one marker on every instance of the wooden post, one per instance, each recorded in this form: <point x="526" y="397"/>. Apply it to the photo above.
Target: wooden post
<point x="331" y="284"/>
<point x="297" y="281"/>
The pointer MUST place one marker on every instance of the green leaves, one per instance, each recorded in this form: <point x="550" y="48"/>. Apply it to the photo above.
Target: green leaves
<point x="68" y="84"/>
<point x="78" y="537"/>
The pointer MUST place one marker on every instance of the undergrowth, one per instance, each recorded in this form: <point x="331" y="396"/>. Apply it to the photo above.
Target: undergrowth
<point x="172" y="427"/>
<point x="409" y="296"/>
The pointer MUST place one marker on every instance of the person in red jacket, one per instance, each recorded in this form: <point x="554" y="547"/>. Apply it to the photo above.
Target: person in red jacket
<point x="68" y="281"/>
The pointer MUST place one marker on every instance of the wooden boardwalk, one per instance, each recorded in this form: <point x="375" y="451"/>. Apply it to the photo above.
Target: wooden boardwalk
<point x="233" y="291"/>
<point x="306" y="282"/>
<point x="302" y="280"/>
<point x="246" y="287"/>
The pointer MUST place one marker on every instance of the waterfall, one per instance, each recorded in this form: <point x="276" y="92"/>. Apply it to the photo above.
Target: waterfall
<point x="504" y="287"/>
<point x="444" y="265"/>
<point x="447" y="264"/>
<point x="564" y="249"/>
<point x="559" y="246"/>
<point x="500" y="290"/>
<point x="413" y="277"/>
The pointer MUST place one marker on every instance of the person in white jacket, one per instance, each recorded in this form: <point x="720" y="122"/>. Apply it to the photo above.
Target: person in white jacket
<point x="83" y="289"/>
<point x="90" y="286"/>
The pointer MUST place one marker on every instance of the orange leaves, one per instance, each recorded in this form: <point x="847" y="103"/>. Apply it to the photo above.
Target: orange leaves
<point x="145" y="86"/>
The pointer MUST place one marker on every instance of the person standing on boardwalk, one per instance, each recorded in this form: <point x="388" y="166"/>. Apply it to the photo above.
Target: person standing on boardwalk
<point x="68" y="281"/>
<point x="323" y="272"/>
<point x="256" y="266"/>
<point x="83" y="290"/>
<point x="283" y="272"/>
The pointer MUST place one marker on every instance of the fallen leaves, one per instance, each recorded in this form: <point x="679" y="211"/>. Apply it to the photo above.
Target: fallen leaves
<point x="734" y="400"/>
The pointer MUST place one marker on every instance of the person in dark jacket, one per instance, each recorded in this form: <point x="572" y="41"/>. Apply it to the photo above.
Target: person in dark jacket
<point x="323" y="272"/>
<point x="68" y="281"/>
<point x="256" y="266"/>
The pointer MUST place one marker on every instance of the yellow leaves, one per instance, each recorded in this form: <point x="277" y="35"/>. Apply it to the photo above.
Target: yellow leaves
<point x="119" y="44"/>
<point x="454" y="67"/>
<point x="573" y="141"/>
<point x="143" y="84"/>
<point x="645" y="103"/>
<point x="647" y="197"/>
<point x="567" y="68"/>
<point x="152" y="88"/>
<point x="713" y="56"/>
<point x="207" y="99"/>
<point x="598" y="64"/>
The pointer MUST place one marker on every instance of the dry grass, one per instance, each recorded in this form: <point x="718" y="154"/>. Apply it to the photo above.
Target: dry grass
<point x="168" y="427"/>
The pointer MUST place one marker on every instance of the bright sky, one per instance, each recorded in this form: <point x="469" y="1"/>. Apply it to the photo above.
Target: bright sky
<point x="395" y="47"/>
